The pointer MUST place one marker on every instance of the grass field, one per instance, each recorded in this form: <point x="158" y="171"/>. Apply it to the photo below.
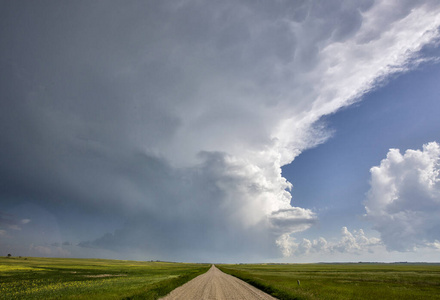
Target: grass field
<point x="50" y="278"/>
<point x="342" y="281"/>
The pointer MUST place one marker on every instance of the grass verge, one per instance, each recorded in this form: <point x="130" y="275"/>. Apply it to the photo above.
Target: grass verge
<point x="164" y="287"/>
<point x="56" y="278"/>
<point x="258" y="283"/>
<point x="342" y="281"/>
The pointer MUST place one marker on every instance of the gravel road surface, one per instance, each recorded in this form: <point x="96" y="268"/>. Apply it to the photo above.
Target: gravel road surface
<point x="217" y="285"/>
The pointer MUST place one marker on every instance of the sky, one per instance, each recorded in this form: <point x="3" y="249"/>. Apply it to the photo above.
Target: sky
<point x="220" y="131"/>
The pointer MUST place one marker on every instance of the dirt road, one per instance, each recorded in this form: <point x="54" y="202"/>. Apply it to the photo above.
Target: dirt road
<point x="217" y="285"/>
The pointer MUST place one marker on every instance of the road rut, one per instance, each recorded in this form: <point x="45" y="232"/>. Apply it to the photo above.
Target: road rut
<point x="217" y="285"/>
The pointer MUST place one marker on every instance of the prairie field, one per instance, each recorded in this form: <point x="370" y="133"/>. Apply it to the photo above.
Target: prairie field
<point x="55" y="278"/>
<point x="342" y="281"/>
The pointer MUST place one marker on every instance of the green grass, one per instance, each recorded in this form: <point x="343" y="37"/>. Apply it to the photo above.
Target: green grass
<point x="55" y="278"/>
<point x="342" y="281"/>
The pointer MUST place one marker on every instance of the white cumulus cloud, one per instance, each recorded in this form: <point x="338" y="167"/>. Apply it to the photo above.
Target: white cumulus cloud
<point x="355" y="242"/>
<point x="404" y="199"/>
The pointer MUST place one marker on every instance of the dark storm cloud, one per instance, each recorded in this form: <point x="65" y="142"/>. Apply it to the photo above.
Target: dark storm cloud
<point x="175" y="219"/>
<point x="8" y="221"/>
<point x="161" y="126"/>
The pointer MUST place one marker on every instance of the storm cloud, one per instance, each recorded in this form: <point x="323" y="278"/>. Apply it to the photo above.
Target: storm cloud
<point x="158" y="129"/>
